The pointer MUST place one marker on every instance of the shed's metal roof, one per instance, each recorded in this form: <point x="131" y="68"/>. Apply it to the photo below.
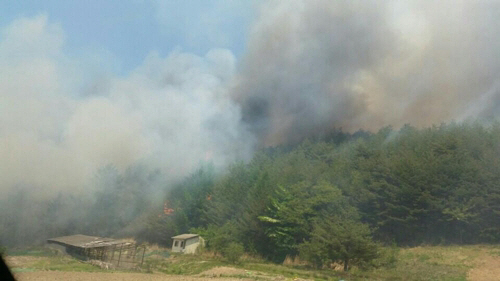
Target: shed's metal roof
<point x="84" y="241"/>
<point x="185" y="236"/>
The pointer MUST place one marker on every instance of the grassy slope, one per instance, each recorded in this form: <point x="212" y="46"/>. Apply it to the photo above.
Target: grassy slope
<point x="420" y="263"/>
<point x="35" y="259"/>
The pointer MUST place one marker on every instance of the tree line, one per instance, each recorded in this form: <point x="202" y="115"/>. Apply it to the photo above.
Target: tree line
<point x="335" y="197"/>
<point x="338" y="196"/>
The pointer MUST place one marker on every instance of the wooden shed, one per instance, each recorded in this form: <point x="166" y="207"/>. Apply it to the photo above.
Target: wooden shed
<point x="121" y="253"/>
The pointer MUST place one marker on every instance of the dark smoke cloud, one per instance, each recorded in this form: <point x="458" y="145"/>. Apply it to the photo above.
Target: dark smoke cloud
<point x="310" y="66"/>
<point x="314" y="65"/>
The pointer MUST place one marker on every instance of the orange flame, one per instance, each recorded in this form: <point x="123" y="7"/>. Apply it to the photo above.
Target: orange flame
<point x="166" y="210"/>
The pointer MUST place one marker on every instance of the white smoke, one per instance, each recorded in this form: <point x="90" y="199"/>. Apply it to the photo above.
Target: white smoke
<point x="58" y="127"/>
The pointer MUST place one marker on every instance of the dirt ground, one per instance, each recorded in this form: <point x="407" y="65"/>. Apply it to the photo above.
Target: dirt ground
<point x="91" y="276"/>
<point x="484" y="263"/>
<point x="486" y="269"/>
<point x="225" y="271"/>
<point x="20" y="261"/>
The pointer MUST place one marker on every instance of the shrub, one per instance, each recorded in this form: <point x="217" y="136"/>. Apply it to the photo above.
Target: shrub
<point x="388" y="257"/>
<point x="314" y="253"/>
<point x="339" y="240"/>
<point x="233" y="252"/>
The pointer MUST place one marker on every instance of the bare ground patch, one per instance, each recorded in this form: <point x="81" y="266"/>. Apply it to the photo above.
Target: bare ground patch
<point x="88" y="276"/>
<point x="225" y="271"/>
<point x="487" y="268"/>
<point x="21" y="261"/>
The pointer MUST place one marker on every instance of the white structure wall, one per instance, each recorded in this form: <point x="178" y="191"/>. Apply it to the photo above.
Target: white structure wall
<point x="187" y="246"/>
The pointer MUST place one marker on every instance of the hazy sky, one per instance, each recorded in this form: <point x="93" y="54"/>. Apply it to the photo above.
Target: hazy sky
<point x="125" y="31"/>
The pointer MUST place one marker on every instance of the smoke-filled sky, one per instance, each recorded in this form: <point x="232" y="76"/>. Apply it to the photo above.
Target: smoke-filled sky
<point x="171" y="84"/>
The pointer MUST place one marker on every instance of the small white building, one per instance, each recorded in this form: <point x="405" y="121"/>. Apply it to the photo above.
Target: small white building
<point x="187" y="243"/>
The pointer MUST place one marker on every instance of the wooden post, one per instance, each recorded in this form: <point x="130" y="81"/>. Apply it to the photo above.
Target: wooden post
<point x="143" y="252"/>
<point x="113" y="254"/>
<point x="119" y="256"/>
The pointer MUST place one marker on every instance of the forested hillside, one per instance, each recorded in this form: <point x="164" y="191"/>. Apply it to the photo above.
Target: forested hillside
<point x="407" y="186"/>
<point x="333" y="197"/>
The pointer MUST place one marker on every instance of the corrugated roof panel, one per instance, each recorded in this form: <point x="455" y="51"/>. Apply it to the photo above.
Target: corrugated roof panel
<point x="84" y="241"/>
<point x="185" y="236"/>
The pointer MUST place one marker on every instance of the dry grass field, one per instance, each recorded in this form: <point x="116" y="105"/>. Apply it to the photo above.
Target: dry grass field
<point x="433" y="263"/>
<point x="115" y="276"/>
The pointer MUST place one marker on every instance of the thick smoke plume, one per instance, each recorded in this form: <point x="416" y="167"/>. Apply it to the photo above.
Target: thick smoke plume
<point x="59" y="124"/>
<point x="86" y="151"/>
<point x="315" y="65"/>
<point x="310" y="66"/>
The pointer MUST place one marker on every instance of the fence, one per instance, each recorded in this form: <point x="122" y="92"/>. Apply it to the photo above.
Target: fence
<point x="125" y="255"/>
